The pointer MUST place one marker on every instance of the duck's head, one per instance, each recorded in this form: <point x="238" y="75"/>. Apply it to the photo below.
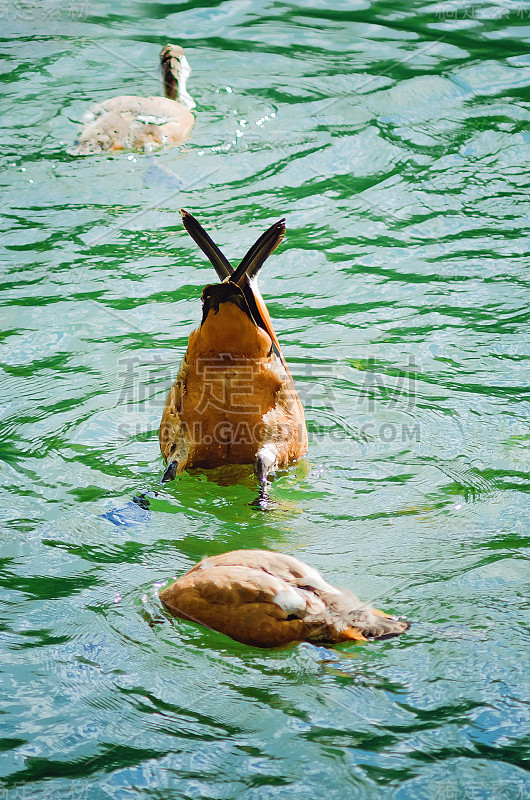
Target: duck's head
<point x="237" y="287"/>
<point x="175" y="73"/>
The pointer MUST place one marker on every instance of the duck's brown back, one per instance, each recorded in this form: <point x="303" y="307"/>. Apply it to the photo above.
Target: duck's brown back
<point x="232" y="395"/>
<point x="237" y="601"/>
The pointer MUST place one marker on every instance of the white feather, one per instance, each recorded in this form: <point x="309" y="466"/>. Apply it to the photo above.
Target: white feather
<point x="291" y="601"/>
<point x="314" y="579"/>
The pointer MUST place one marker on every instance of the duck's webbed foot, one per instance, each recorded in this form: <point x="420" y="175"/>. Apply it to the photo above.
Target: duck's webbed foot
<point x="142" y="499"/>
<point x="266" y="462"/>
<point x="169" y="472"/>
<point x="264" y="502"/>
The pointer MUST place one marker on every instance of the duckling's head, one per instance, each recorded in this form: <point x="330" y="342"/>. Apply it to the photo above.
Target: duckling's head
<point x="175" y="72"/>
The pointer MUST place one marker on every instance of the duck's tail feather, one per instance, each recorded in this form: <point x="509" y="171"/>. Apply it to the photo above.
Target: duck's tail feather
<point x="259" y="252"/>
<point x="219" y="262"/>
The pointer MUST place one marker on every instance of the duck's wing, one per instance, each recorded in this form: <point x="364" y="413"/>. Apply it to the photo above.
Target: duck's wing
<point x="233" y="579"/>
<point x="264" y="560"/>
<point x="249" y="605"/>
<point x="174" y="443"/>
<point x="286" y="568"/>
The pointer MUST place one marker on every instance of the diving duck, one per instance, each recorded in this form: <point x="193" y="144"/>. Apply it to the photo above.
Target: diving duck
<point x="142" y="123"/>
<point x="268" y="599"/>
<point x="234" y="400"/>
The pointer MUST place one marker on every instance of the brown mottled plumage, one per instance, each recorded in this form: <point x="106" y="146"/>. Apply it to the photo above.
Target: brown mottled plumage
<point x="269" y="599"/>
<point x="142" y="123"/>
<point x="234" y="400"/>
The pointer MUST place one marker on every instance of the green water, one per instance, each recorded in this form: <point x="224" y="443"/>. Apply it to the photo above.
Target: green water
<point x="394" y="138"/>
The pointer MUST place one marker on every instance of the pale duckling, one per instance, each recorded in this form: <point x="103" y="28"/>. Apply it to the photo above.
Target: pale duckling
<point x="267" y="599"/>
<point x="143" y="123"/>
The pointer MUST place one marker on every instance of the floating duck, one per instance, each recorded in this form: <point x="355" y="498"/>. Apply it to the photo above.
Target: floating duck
<point x="234" y="400"/>
<point x="136" y="123"/>
<point x="267" y="599"/>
